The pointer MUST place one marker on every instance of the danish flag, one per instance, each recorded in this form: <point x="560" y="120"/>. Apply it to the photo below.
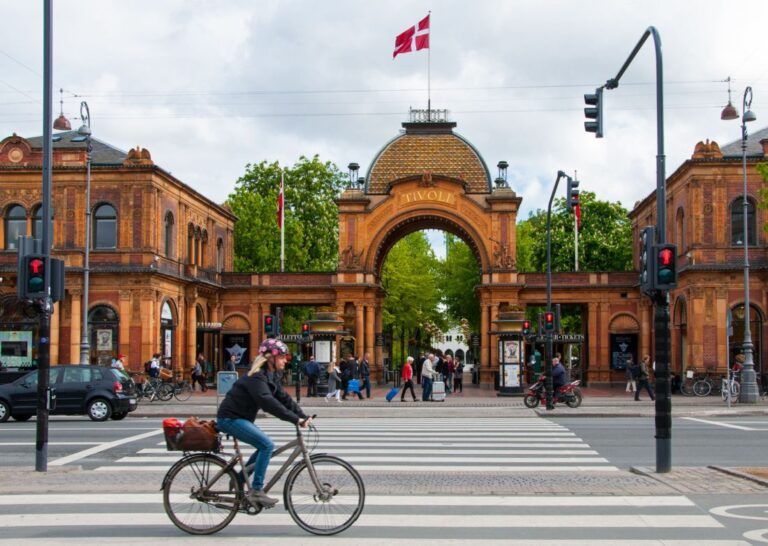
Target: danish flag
<point x="404" y="43"/>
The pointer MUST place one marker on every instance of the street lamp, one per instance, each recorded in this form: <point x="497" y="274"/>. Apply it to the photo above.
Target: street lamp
<point x="85" y="136"/>
<point x="749" y="391"/>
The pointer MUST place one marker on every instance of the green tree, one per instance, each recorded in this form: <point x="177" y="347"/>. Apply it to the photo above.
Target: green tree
<point x="409" y="277"/>
<point x="311" y="216"/>
<point x="459" y="274"/>
<point x="605" y="239"/>
<point x="762" y="168"/>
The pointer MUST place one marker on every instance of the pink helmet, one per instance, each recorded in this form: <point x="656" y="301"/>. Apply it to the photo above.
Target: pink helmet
<point x="273" y="347"/>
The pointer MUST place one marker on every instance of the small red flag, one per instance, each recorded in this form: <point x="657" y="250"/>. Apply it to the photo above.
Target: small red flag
<point x="577" y="212"/>
<point x="419" y="33"/>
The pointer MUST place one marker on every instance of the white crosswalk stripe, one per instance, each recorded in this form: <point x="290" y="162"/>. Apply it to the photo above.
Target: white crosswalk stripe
<point x="139" y="518"/>
<point x="381" y="445"/>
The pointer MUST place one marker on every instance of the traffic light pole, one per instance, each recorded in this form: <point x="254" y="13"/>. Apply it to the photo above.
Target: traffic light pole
<point x="44" y="335"/>
<point x="548" y="333"/>
<point x="661" y="298"/>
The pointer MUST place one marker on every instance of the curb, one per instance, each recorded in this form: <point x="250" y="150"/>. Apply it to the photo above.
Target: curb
<point x="740" y="474"/>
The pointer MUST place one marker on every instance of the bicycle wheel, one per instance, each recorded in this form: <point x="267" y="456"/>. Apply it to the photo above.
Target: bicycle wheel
<point x="735" y="391"/>
<point x="687" y="387"/>
<point x="335" y="508"/>
<point x="165" y="391"/>
<point x="195" y="513"/>
<point x="182" y="391"/>
<point x="702" y="388"/>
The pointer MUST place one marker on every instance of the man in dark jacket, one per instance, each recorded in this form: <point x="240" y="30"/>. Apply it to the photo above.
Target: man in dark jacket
<point x="312" y="370"/>
<point x="352" y="371"/>
<point x="365" y="374"/>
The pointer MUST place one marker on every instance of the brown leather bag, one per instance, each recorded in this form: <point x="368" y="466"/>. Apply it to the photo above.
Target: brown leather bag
<point x="197" y="435"/>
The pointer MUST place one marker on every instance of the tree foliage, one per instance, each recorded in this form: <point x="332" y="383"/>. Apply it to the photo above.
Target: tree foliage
<point x="762" y="168"/>
<point x="459" y="274"/>
<point x="311" y="216"/>
<point x="605" y="239"/>
<point x="410" y="279"/>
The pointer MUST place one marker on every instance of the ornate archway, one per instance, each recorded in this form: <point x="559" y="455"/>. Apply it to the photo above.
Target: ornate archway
<point x="426" y="178"/>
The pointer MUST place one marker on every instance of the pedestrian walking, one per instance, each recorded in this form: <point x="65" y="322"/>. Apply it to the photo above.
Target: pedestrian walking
<point x="427" y="374"/>
<point x="334" y="381"/>
<point x="198" y="373"/>
<point x="351" y="373"/>
<point x="312" y="371"/>
<point x="419" y="366"/>
<point x="407" y="377"/>
<point x="448" y="370"/>
<point x="365" y="374"/>
<point x="642" y="379"/>
<point x="458" y="377"/>
<point x="630" y="370"/>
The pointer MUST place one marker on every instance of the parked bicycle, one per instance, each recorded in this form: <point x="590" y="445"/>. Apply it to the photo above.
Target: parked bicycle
<point x="730" y="388"/>
<point x="181" y="390"/>
<point x="202" y="492"/>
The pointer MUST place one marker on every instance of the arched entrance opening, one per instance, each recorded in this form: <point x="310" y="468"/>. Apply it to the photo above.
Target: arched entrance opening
<point x="624" y="332"/>
<point x="168" y="321"/>
<point x="429" y="305"/>
<point x="104" y="329"/>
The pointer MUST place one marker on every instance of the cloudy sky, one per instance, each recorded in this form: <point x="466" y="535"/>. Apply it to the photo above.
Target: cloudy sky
<point x="209" y="86"/>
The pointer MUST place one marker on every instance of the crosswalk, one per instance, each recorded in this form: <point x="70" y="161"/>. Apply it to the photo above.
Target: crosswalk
<point x="139" y="518"/>
<point x="385" y="445"/>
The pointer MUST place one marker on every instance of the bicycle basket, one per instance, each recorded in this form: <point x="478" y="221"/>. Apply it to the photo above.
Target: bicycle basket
<point x="192" y="435"/>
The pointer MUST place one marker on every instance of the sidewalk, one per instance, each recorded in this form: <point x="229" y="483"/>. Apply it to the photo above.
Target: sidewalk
<point x="474" y="401"/>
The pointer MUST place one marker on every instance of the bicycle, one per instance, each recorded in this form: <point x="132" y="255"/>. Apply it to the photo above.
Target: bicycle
<point x="202" y="492"/>
<point x="181" y="390"/>
<point x="730" y="388"/>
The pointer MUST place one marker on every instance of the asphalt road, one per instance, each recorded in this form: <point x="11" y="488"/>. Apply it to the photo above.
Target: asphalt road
<point x="624" y="442"/>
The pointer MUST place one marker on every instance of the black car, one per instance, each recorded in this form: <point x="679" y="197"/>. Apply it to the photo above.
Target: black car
<point x="96" y="391"/>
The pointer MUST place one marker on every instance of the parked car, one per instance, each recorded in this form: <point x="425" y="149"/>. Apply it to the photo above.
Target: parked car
<point x="95" y="391"/>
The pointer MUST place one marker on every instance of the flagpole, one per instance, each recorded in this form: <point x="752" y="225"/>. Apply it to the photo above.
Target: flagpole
<point x="429" y="70"/>
<point x="576" y="240"/>
<point x="282" y="223"/>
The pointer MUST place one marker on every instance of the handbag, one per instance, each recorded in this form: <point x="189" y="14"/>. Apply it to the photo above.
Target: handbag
<point x="353" y="386"/>
<point x="192" y="435"/>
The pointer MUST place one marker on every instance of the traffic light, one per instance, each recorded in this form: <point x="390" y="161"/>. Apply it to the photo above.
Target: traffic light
<point x="666" y="274"/>
<point x="549" y="321"/>
<point x="305" y="331"/>
<point x="526" y="327"/>
<point x="647" y="270"/>
<point x="34" y="281"/>
<point x="269" y="325"/>
<point x="594" y="110"/>
<point x="572" y="194"/>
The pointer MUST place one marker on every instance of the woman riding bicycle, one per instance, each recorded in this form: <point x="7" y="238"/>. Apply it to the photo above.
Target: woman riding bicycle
<point x="260" y="389"/>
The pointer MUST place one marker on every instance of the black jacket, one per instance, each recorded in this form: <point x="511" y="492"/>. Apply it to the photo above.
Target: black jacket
<point x="259" y="392"/>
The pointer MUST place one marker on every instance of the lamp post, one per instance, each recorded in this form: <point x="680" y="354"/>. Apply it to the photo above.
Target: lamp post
<point x="85" y="136"/>
<point x="749" y="391"/>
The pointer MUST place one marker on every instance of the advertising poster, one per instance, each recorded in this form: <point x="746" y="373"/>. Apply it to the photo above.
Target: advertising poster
<point x="103" y="340"/>
<point x="512" y="351"/>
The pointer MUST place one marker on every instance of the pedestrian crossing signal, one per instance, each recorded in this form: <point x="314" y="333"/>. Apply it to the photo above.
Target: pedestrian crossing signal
<point x="549" y="321"/>
<point x="526" y="327"/>
<point x="269" y="325"/>
<point x="305" y="330"/>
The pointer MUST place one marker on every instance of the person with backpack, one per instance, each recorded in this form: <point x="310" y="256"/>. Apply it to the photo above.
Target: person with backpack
<point x="152" y="368"/>
<point x="312" y="371"/>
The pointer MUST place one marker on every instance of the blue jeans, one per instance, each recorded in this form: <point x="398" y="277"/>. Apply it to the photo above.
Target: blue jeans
<point x="248" y="432"/>
<point x="426" y="388"/>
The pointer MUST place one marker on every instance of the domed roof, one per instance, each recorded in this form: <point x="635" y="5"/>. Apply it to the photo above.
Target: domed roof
<point x="428" y="147"/>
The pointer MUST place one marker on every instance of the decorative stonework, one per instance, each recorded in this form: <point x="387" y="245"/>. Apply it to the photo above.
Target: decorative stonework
<point x="138" y="156"/>
<point x="707" y="150"/>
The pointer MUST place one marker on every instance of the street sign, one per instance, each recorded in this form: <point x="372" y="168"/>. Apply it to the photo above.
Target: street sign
<point x="475" y="340"/>
<point x="224" y="382"/>
<point x="292" y="338"/>
<point x="562" y="338"/>
<point x="379" y="340"/>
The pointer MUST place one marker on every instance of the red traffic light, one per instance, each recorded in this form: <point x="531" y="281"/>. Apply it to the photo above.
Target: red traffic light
<point x="268" y="319"/>
<point x="549" y="320"/>
<point x="666" y="257"/>
<point x="305" y="327"/>
<point x="526" y="324"/>
<point x="36" y="266"/>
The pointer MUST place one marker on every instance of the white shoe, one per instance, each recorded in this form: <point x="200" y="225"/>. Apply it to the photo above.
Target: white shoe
<point x="326" y="399"/>
<point x="340" y="401"/>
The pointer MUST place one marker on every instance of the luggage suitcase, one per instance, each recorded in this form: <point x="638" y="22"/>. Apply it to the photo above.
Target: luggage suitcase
<point x="392" y="393"/>
<point x="438" y="391"/>
<point x="353" y="386"/>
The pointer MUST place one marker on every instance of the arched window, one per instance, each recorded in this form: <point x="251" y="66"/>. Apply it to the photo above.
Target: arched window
<point x="15" y="225"/>
<point x="737" y="222"/>
<point x="103" y="331"/>
<point x="219" y="255"/>
<point x="169" y="234"/>
<point x="105" y="227"/>
<point x="197" y="246"/>
<point x="680" y="231"/>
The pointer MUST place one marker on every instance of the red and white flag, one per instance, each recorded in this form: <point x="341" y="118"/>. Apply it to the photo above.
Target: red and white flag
<point x="415" y="37"/>
<point x="280" y="204"/>
<point x="577" y="213"/>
